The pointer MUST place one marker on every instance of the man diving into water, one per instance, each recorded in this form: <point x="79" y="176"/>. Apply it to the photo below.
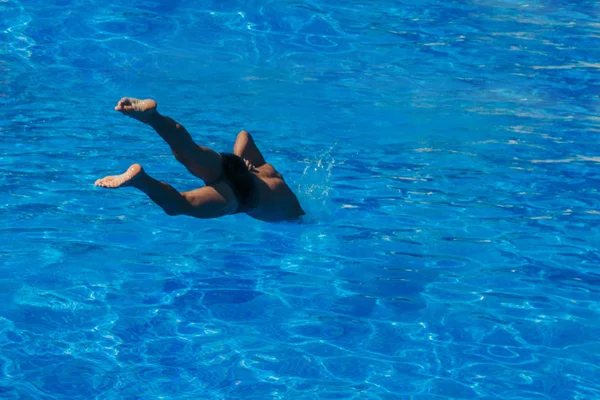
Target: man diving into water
<point x="242" y="182"/>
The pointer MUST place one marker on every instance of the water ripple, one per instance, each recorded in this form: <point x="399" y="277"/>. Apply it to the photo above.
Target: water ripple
<point x="447" y="155"/>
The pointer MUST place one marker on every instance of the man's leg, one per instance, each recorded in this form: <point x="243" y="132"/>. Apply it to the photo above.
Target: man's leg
<point x="246" y="148"/>
<point x="199" y="160"/>
<point x="207" y="202"/>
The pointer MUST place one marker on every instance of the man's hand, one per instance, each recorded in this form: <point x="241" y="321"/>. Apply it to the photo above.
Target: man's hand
<point x="249" y="165"/>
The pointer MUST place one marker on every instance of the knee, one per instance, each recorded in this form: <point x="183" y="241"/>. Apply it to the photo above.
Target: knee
<point x="172" y="212"/>
<point x="244" y="135"/>
<point x="178" y="156"/>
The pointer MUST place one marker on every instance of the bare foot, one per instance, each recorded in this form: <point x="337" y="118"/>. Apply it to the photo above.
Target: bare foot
<point x="141" y="110"/>
<point x="125" y="179"/>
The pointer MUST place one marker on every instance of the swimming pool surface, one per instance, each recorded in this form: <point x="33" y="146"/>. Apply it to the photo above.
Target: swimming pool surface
<point x="446" y="153"/>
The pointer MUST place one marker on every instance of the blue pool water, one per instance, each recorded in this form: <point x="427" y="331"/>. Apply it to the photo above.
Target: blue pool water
<point x="446" y="152"/>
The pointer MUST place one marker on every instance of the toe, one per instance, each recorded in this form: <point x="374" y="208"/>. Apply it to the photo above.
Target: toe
<point x="122" y="103"/>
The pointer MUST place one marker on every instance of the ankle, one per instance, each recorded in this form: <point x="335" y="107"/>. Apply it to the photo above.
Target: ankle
<point x="153" y="119"/>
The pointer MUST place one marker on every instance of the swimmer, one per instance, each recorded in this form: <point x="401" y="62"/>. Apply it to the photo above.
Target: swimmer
<point x="238" y="182"/>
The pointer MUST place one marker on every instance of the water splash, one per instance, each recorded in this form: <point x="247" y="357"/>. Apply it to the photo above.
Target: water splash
<point x="314" y="187"/>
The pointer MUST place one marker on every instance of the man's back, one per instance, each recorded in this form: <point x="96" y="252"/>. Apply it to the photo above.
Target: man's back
<point x="276" y="201"/>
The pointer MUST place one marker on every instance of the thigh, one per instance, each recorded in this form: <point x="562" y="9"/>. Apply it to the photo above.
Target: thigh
<point x="200" y="161"/>
<point x="212" y="201"/>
